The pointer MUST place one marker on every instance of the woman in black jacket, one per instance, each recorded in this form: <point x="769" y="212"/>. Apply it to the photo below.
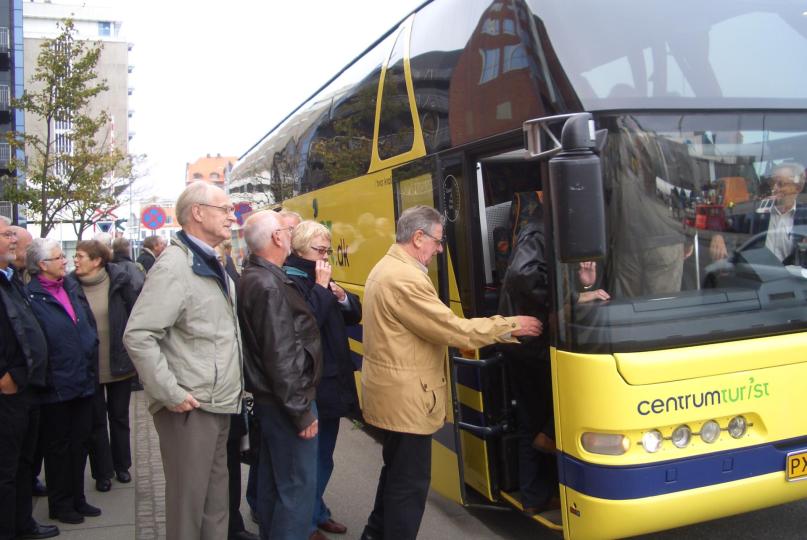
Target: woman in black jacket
<point x="66" y="410"/>
<point x="334" y="309"/>
<point x="111" y="296"/>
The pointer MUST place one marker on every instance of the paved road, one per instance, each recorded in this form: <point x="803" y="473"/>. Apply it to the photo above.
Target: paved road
<point x="135" y="511"/>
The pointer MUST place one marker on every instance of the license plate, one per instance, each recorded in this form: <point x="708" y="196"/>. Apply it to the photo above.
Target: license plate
<point x="796" y="466"/>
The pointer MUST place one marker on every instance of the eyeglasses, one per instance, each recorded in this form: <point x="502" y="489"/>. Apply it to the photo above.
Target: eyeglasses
<point x="9" y="234"/>
<point x="323" y="250"/>
<point x="59" y="258"/>
<point x="284" y="229"/>
<point x="438" y="240"/>
<point x="229" y="209"/>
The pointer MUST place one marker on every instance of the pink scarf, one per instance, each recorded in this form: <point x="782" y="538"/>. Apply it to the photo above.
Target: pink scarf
<point x="56" y="289"/>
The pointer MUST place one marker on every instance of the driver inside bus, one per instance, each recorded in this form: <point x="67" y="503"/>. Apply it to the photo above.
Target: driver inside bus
<point x="525" y="291"/>
<point x="787" y="182"/>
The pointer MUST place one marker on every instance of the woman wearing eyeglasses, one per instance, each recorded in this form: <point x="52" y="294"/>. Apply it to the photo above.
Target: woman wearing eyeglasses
<point x="334" y="309"/>
<point x="66" y="410"/>
<point x="111" y="295"/>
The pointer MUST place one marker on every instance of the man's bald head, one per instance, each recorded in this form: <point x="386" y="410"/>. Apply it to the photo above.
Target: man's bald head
<point x="24" y="240"/>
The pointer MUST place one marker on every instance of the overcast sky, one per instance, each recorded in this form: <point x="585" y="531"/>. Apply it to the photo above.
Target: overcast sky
<point x="214" y="77"/>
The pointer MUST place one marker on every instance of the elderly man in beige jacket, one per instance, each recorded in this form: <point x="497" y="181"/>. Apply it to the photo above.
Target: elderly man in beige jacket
<point x="184" y="339"/>
<point x="406" y="330"/>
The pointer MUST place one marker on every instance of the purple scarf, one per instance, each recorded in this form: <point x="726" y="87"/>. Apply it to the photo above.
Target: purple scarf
<point x="56" y="289"/>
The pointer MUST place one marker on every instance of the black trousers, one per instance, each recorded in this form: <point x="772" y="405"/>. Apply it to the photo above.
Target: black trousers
<point x="402" y="487"/>
<point x="66" y="427"/>
<point x="19" y="420"/>
<point x="110" y="450"/>
<point x="236" y="523"/>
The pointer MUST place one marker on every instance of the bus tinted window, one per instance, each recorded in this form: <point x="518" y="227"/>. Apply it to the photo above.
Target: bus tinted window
<point x="656" y="54"/>
<point x="707" y="228"/>
<point x="396" y="132"/>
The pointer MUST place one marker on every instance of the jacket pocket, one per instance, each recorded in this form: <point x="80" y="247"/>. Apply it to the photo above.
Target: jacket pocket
<point x="433" y="395"/>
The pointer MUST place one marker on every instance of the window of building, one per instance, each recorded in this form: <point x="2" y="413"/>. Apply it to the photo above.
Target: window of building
<point x="515" y="57"/>
<point x="197" y="176"/>
<point x="490" y="65"/>
<point x="491" y="27"/>
<point x="104" y="28"/>
<point x="509" y="27"/>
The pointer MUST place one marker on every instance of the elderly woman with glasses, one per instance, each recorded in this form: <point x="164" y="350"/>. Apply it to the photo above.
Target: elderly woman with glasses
<point x="334" y="309"/>
<point x="66" y="410"/>
<point x="111" y="295"/>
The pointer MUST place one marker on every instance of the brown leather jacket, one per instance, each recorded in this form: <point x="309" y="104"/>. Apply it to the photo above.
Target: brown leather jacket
<point x="282" y="349"/>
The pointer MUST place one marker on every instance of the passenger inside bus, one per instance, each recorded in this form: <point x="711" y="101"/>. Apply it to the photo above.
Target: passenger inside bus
<point x="525" y="291"/>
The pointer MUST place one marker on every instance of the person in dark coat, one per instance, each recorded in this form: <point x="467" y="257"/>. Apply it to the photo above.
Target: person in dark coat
<point x="111" y="296"/>
<point x="121" y="255"/>
<point x="525" y="291"/>
<point x="65" y="317"/>
<point x="334" y="309"/>
<point x="23" y="361"/>
<point x="152" y="247"/>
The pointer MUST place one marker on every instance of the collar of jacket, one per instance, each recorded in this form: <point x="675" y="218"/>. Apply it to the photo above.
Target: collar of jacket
<point x="297" y="266"/>
<point x="397" y="252"/>
<point x="272" y="267"/>
<point x="200" y="263"/>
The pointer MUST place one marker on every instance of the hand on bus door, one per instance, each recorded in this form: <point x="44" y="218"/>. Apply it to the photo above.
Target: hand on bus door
<point x="311" y="431"/>
<point x="322" y="270"/>
<point x="528" y="326"/>
<point x="188" y="404"/>
<point x="717" y="248"/>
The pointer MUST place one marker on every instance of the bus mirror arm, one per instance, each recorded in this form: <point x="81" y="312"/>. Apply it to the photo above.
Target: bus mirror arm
<point x="485" y="432"/>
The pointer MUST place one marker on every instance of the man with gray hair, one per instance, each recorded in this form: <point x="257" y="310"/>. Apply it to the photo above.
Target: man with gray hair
<point x="404" y="390"/>
<point x="152" y="247"/>
<point x="184" y="339"/>
<point x="282" y="363"/>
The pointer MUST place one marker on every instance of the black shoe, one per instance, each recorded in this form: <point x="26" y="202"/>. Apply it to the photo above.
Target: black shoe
<point x="123" y="477"/>
<point x="103" y="485"/>
<point x="38" y="489"/>
<point x="39" y="531"/>
<point x="86" y="509"/>
<point x="242" y="535"/>
<point x="70" y="516"/>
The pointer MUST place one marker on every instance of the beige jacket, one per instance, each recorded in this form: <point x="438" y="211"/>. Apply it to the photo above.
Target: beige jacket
<point x="183" y="335"/>
<point x="406" y="331"/>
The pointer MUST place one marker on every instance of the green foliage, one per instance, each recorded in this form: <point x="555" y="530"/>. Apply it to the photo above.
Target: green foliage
<point x="70" y="167"/>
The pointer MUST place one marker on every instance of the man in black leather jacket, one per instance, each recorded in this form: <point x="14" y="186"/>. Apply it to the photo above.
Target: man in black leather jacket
<point x="282" y="366"/>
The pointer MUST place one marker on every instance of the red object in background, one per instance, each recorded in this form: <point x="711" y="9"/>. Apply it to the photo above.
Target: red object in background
<point x="153" y="217"/>
<point x="710" y="217"/>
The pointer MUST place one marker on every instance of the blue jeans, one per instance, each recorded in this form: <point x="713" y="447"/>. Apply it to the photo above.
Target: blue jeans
<point x="328" y="430"/>
<point x="287" y="476"/>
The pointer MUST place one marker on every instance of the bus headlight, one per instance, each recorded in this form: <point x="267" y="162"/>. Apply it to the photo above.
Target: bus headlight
<point x="738" y="426"/>
<point x="609" y="444"/>
<point x="652" y="441"/>
<point x="681" y="436"/>
<point x="710" y="431"/>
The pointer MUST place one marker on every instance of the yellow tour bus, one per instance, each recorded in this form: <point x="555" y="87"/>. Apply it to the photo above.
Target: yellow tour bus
<point x="679" y="399"/>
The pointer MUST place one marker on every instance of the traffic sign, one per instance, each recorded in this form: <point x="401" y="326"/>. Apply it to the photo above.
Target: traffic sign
<point x="153" y="217"/>
<point x="104" y="226"/>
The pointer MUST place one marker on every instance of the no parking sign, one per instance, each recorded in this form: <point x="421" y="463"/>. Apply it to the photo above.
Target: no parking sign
<point x="152" y="217"/>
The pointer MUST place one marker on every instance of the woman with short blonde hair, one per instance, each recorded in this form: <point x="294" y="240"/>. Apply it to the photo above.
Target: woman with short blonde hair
<point x="334" y="308"/>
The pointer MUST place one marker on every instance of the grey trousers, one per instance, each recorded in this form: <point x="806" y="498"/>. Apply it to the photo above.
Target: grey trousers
<point x="193" y="446"/>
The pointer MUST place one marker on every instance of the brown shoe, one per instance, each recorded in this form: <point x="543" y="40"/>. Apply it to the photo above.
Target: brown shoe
<point x="316" y="535"/>
<point x="543" y="443"/>
<point x="332" y="526"/>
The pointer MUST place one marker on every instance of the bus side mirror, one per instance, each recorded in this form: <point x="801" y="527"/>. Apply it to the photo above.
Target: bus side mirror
<point x="576" y="188"/>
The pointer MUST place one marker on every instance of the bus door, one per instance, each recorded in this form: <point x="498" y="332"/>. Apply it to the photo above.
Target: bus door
<point x="416" y="183"/>
<point x="486" y="198"/>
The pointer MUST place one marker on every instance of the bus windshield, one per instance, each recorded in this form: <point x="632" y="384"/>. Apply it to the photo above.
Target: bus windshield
<point x="658" y="54"/>
<point x="707" y="233"/>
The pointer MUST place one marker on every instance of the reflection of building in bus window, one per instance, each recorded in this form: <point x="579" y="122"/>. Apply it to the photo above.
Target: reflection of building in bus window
<point x="774" y="216"/>
<point x="646" y="241"/>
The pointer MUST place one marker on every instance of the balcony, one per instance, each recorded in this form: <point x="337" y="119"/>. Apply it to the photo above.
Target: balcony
<point x="5" y="104"/>
<point x="5" y="48"/>
<point x="5" y="157"/>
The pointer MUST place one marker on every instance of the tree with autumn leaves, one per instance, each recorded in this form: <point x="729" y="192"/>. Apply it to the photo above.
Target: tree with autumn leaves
<point x="70" y="166"/>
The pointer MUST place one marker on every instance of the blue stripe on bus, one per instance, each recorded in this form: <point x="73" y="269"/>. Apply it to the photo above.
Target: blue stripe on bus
<point x="445" y="436"/>
<point x="472" y="416"/>
<point x="648" y="480"/>
<point x="355" y="332"/>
